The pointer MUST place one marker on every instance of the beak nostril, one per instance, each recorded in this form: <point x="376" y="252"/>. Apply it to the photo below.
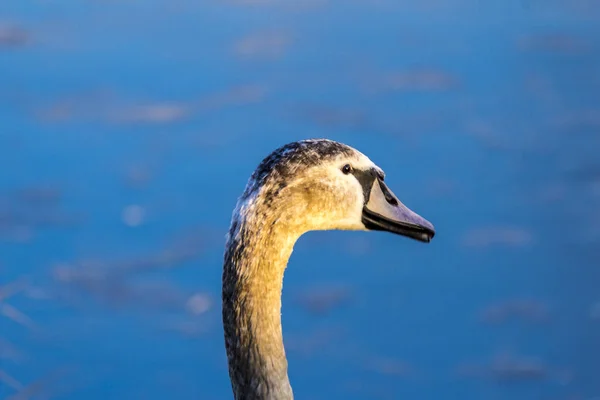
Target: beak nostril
<point x="389" y="197"/>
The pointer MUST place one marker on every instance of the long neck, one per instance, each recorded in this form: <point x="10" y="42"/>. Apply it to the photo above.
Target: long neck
<point x="255" y="260"/>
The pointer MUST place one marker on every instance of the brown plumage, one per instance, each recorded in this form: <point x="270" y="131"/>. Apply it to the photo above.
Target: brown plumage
<point x="303" y="186"/>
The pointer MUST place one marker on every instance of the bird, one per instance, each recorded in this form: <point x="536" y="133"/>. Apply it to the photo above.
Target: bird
<point x="307" y="185"/>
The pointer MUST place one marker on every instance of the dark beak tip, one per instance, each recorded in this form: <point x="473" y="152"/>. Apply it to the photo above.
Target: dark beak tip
<point x="427" y="237"/>
<point x="431" y="234"/>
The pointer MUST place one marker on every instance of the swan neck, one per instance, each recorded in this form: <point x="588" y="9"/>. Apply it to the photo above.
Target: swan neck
<point x="255" y="261"/>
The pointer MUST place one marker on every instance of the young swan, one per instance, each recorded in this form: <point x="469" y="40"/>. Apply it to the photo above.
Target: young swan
<point x="303" y="186"/>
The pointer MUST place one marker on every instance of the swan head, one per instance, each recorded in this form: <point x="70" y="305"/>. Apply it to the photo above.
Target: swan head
<point x="321" y="184"/>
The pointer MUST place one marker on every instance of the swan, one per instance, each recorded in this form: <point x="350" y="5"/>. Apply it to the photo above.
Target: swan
<point x="315" y="184"/>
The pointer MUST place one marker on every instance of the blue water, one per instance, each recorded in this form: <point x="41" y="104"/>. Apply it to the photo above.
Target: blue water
<point x="129" y="128"/>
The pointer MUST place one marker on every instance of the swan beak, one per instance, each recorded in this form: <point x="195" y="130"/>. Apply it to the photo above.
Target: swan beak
<point x="384" y="212"/>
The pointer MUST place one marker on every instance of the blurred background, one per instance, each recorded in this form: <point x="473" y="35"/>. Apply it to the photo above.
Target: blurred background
<point x="128" y="129"/>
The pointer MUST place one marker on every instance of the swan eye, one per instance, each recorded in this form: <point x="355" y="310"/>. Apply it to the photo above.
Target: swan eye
<point x="346" y="169"/>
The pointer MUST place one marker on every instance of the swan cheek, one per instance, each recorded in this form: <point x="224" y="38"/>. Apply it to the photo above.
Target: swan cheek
<point x="349" y="210"/>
